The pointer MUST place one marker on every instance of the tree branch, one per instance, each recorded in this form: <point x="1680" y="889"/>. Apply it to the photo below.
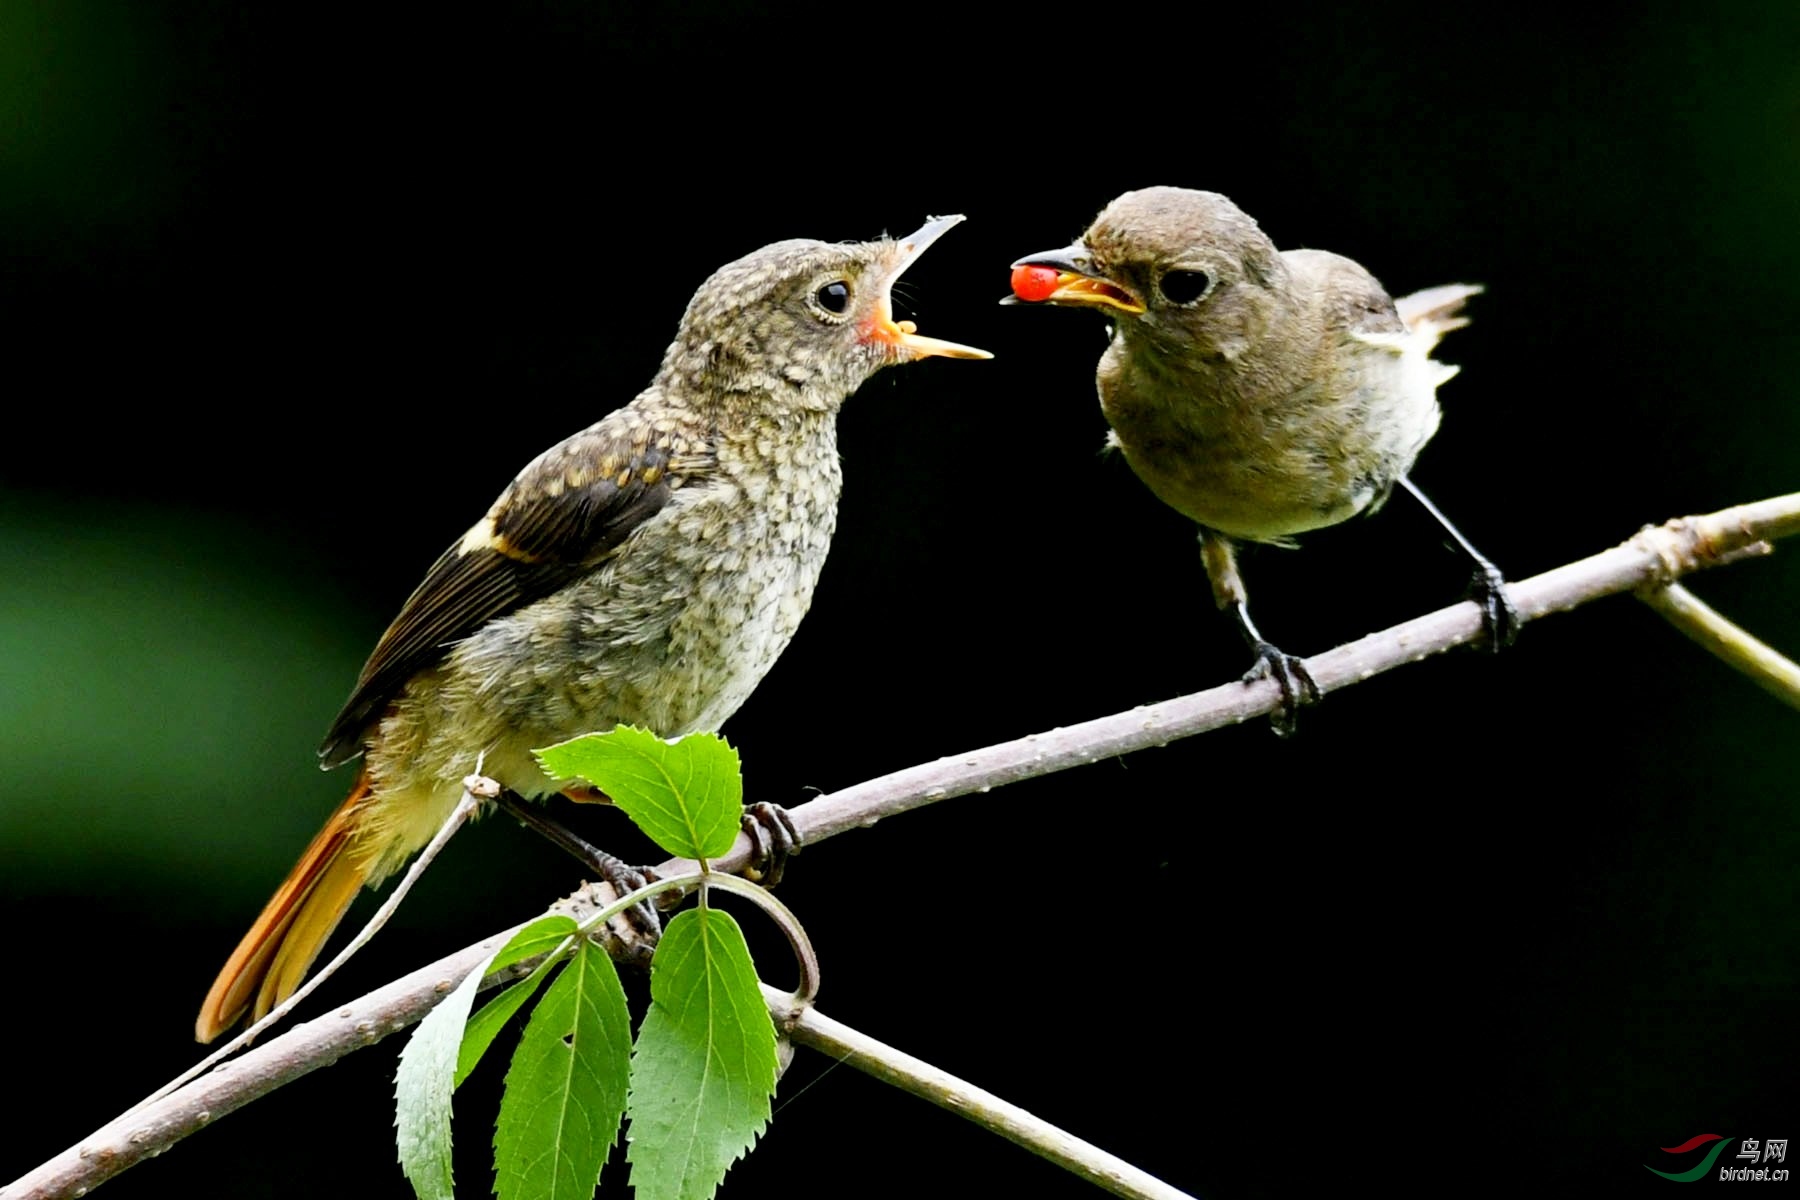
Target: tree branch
<point x="1766" y="666"/>
<point x="1657" y="556"/>
<point x="810" y="1027"/>
<point x="1653" y="558"/>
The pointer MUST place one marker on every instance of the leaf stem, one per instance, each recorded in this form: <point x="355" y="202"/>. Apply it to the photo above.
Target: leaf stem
<point x="789" y="924"/>
<point x="630" y="899"/>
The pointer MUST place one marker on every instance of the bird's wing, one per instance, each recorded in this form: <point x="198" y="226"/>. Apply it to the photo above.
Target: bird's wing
<point x="1350" y="301"/>
<point x="563" y="516"/>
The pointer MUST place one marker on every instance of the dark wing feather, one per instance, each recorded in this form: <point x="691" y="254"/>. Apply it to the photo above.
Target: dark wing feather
<point x="561" y="517"/>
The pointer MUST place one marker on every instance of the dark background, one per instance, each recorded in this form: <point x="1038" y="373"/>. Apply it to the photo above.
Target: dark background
<point x="287" y="296"/>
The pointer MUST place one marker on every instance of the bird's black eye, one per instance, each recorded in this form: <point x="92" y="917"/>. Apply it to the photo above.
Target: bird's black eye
<point x="1185" y="287"/>
<point x="834" y="297"/>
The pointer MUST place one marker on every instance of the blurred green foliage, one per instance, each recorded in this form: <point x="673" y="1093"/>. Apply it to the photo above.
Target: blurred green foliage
<point x="84" y="102"/>
<point x="158" y="687"/>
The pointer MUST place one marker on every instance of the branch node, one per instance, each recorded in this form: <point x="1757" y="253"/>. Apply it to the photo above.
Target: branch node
<point x="1664" y="543"/>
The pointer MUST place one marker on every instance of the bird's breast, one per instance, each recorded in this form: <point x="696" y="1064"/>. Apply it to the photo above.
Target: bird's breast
<point x="753" y="580"/>
<point x="672" y="632"/>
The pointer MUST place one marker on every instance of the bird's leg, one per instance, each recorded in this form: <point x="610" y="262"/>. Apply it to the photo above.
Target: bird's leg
<point x="1499" y="618"/>
<point x="1289" y="672"/>
<point x="773" y="836"/>
<point x="623" y="877"/>
<point x="773" y="840"/>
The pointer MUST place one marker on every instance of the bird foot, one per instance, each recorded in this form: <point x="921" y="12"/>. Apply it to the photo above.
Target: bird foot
<point x="643" y="917"/>
<point x="773" y="840"/>
<point x="623" y="877"/>
<point x="1291" y="675"/>
<point x="1499" y="617"/>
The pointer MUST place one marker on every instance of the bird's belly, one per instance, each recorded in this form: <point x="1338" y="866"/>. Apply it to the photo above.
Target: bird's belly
<point x="1278" y="469"/>
<point x="1249" y="502"/>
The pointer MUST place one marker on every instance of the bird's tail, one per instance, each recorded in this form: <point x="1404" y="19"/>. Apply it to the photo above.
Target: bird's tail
<point x="1436" y="311"/>
<point x="273" y="957"/>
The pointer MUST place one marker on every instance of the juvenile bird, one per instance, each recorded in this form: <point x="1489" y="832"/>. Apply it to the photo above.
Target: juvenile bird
<point x="647" y="570"/>
<point x="1262" y="393"/>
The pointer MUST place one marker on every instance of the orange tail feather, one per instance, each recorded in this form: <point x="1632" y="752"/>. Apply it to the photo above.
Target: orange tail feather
<point x="269" y="963"/>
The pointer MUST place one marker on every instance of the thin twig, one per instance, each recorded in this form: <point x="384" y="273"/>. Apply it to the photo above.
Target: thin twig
<point x="1654" y="557"/>
<point x="810" y="1027"/>
<point x="465" y="808"/>
<point x="1767" y="667"/>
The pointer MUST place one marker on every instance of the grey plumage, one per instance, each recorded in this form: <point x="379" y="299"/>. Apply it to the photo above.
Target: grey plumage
<point x="1262" y="393"/>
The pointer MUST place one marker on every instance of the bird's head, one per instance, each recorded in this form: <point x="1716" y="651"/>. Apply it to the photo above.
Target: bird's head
<point x="1178" y="267"/>
<point x="803" y="323"/>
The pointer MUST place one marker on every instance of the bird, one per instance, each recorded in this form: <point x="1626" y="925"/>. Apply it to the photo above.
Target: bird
<point x="646" y="570"/>
<point x="1261" y="393"/>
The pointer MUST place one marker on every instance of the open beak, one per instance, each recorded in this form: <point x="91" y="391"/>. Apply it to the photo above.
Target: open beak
<point x="904" y="335"/>
<point x="1075" y="283"/>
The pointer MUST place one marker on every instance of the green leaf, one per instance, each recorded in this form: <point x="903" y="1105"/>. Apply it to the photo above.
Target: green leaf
<point x="429" y="1067"/>
<point x="479" y="1032"/>
<point x="565" y="1091"/>
<point x="687" y="795"/>
<point x="704" y="1068"/>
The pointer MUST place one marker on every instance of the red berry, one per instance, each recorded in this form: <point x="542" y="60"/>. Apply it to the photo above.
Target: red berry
<point x="1034" y="283"/>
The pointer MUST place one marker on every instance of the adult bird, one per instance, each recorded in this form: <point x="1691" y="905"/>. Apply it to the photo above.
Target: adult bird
<point x="1262" y="393"/>
<point x="647" y="570"/>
